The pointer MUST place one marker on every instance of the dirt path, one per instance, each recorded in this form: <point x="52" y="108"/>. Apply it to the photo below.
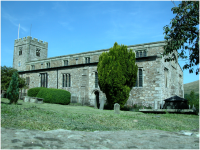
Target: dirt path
<point x="66" y="139"/>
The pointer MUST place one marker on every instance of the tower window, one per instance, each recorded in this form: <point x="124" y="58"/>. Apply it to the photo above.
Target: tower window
<point x="19" y="64"/>
<point x="20" y="51"/>
<point x="38" y="52"/>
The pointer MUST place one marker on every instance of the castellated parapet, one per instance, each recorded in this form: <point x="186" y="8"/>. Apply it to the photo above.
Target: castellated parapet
<point x="28" y="49"/>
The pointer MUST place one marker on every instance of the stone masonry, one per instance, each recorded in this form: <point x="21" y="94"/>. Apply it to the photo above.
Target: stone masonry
<point x="157" y="79"/>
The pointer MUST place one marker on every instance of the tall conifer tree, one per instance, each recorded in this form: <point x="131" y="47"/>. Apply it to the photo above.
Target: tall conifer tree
<point x="13" y="89"/>
<point x="117" y="73"/>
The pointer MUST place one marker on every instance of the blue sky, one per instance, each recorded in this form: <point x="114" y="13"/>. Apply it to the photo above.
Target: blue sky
<point x="73" y="27"/>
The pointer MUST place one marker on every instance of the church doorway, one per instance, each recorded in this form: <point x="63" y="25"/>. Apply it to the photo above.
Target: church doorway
<point x="97" y="99"/>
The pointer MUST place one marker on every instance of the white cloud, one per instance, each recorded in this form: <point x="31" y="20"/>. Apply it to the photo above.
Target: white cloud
<point x="13" y="20"/>
<point x="66" y="25"/>
<point x="59" y="6"/>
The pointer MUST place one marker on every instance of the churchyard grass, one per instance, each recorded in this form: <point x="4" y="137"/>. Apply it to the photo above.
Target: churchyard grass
<point x="83" y="118"/>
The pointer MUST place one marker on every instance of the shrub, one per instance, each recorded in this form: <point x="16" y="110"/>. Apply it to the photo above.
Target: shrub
<point x="135" y="107"/>
<point x="193" y="100"/>
<point x="55" y="96"/>
<point x="34" y="91"/>
<point x="13" y="89"/>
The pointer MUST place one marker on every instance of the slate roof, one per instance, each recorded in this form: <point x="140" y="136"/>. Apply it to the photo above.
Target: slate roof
<point x="175" y="99"/>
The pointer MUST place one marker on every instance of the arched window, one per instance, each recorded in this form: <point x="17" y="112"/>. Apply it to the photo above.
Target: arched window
<point x="44" y="79"/>
<point x="144" y="54"/>
<point x="66" y="80"/>
<point x="140" y="77"/>
<point x="166" y="77"/>
<point x="96" y="80"/>
<point x="139" y="80"/>
<point x="140" y="53"/>
<point x="137" y="54"/>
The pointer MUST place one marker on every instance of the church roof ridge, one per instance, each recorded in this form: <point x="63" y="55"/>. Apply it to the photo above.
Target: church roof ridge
<point x="95" y="51"/>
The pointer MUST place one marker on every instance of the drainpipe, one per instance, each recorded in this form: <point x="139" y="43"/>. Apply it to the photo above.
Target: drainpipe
<point x="57" y="78"/>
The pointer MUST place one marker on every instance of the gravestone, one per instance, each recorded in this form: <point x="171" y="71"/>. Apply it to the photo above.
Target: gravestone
<point x="102" y="104"/>
<point x="189" y="106"/>
<point x="33" y="100"/>
<point x="117" y="108"/>
<point x="26" y="99"/>
<point x="40" y="100"/>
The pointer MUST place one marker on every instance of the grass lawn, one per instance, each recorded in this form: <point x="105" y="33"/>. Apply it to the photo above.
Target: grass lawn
<point x="83" y="118"/>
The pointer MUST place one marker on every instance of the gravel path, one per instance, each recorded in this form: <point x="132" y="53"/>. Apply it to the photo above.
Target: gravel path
<point x="66" y="139"/>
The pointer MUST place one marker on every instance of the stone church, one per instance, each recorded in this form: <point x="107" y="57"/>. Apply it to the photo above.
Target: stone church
<point x="77" y="73"/>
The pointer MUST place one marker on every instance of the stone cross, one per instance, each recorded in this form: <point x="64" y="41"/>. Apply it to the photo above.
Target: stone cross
<point x="117" y="108"/>
<point x="101" y="104"/>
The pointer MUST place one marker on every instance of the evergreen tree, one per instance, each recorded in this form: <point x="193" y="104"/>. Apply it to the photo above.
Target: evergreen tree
<point x="6" y="75"/>
<point x="13" y="89"/>
<point x="117" y="73"/>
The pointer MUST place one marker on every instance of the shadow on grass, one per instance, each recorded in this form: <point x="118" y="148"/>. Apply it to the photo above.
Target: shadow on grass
<point x="10" y="103"/>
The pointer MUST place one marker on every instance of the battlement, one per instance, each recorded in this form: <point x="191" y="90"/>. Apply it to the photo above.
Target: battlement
<point x="29" y="39"/>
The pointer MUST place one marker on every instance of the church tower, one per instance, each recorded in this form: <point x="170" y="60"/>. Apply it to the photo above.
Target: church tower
<point x="26" y="50"/>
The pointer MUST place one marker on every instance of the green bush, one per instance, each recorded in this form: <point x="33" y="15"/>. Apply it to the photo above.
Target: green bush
<point x="34" y="91"/>
<point x="55" y="96"/>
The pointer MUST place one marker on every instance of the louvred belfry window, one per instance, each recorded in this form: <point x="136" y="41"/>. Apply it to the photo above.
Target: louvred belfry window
<point x="20" y="51"/>
<point x="38" y="52"/>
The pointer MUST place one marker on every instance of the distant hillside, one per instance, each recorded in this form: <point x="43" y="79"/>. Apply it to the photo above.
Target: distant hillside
<point x="191" y="86"/>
